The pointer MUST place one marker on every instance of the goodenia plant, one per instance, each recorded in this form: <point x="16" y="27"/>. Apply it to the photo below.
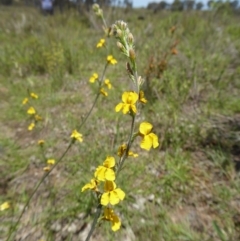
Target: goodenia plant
<point x="104" y="181"/>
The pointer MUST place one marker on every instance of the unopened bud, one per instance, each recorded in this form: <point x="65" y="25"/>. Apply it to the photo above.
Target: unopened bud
<point x="119" y="33"/>
<point x="122" y="25"/>
<point x="120" y="46"/>
<point x="132" y="54"/>
<point x="130" y="38"/>
<point x="95" y="7"/>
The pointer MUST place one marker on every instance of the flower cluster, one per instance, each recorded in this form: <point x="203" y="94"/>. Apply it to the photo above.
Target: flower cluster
<point x="50" y="163"/>
<point x="76" y="136"/>
<point x="110" y="195"/>
<point x="95" y="77"/>
<point x="31" y="111"/>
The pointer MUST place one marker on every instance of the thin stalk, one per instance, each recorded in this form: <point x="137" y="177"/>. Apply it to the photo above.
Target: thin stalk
<point x="94" y="223"/>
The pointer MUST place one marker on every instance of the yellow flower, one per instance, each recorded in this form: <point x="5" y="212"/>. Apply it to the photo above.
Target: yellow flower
<point x="149" y="139"/>
<point x="108" y="84"/>
<point x="129" y="100"/>
<point x="33" y="95"/>
<point x="105" y="172"/>
<point x="47" y="168"/>
<point x="25" y="101"/>
<point x="31" y="126"/>
<point x="38" y="117"/>
<point x="77" y="136"/>
<point x="93" y="78"/>
<point x="109" y="215"/>
<point x="31" y="111"/>
<point x="41" y="142"/>
<point x="92" y="185"/>
<point x="50" y="161"/>
<point x="103" y="92"/>
<point x="111" y="60"/>
<point x="122" y="149"/>
<point x="101" y="43"/>
<point x="4" y="206"/>
<point x="142" y="97"/>
<point x="111" y="194"/>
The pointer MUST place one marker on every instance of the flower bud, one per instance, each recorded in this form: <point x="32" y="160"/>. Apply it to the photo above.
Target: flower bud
<point x="120" y="46"/>
<point x="132" y="54"/>
<point x="95" y="7"/>
<point x="119" y="33"/>
<point x="130" y="38"/>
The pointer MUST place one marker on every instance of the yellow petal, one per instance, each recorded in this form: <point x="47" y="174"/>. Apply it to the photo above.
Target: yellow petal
<point x="120" y="193"/>
<point x="116" y="223"/>
<point x="114" y="198"/>
<point x="100" y="173"/>
<point x="105" y="199"/>
<point x="134" y="97"/>
<point x="125" y="97"/>
<point x="109" y="174"/>
<point x="31" y="111"/>
<point x="51" y="161"/>
<point x="119" y="107"/>
<point x="126" y="108"/>
<point x="4" y="206"/>
<point x="109" y="162"/>
<point x="87" y="186"/>
<point x="134" y="108"/>
<point x="154" y="140"/>
<point x="146" y="143"/>
<point x="145" y="128"/>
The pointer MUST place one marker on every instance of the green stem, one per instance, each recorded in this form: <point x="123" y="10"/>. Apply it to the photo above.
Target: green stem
<point x="97" y="215"/>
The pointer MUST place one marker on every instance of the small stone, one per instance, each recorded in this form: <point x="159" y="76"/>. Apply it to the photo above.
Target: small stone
<point x="72" y="228"/>
<point x="151" y="197"/>
<point x="56" y="227"/>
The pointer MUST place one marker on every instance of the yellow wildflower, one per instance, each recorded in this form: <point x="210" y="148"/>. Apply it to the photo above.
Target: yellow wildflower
<point x="129" y="100"/>
<point x="108" y="84"/>
<point x="105" y="172"/>
<point x="142" y="97"/>
<point x="31" y="111"/>
<point x="111" y="194"/>
<point x="149" y="139"/>
<point x="109" y="215"/>
<point x="33" y="95"/>
<point x="47" y="168"/>
<point x="41" y="142"/>
<point x="31" y="126"/>
<point x="25" y="101"/>
<point x="4" y="206"/>
<point x="93" y="78"/>
<point x="101" y="43"/>
<point x="51" y="161"/>
<point x="122" y="149"/>
<point x="77" y="136"/>
<point x="92" y="185"/>
<point x="38" y="117"/>
<point x="111" y="60"/>
<point x="103" y="92"/>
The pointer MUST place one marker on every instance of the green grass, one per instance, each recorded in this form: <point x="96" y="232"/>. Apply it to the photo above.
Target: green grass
<point x="187" y="189"/>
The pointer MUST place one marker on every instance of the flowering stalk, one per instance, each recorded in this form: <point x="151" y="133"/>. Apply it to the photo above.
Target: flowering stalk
<point x="107" y="172"/>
